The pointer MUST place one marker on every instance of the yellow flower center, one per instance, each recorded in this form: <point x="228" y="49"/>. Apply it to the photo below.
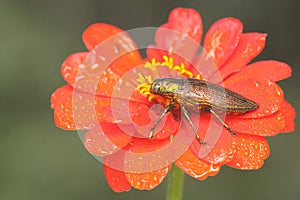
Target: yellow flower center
<point x="145" y="81"/>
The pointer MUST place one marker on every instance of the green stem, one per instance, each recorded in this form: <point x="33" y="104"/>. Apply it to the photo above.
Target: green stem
<point x="175" y="183"/>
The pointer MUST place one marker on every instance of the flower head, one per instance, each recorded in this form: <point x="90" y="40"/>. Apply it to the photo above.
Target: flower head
<point x="109" y="96"/>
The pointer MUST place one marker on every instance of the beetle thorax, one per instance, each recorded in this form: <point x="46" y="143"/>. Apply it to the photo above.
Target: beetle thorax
<point x="164" y="87"/>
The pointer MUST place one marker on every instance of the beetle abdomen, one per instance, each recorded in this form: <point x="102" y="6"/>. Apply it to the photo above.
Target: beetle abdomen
<point x="205" y="94"/>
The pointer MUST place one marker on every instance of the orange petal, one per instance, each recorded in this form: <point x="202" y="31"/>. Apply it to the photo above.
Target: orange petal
<point x="221" y="39"/>
<point x="265" y="126"/>
<point x="265" y="93"/>
<point x="106" y="139"/>
<point x="195" y="167"/>
<point x="289" y="114"/>
<point x="116" y="179"/>
<point x="251" y="152"/>
<point x="148" y="180"/>
<point x="269" y="69"/>
<point x="249" y="46"/>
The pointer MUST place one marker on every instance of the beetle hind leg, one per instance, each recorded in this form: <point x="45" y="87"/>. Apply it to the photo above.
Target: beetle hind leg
<point x="222" y="122"/>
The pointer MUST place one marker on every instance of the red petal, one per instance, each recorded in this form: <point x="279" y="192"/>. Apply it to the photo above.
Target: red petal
<point x="97" y="33"/>
<point x="154" y="52"/>
<point x="69" y="68"/>
<point x="222" y="39"/>
<point x="126" y="60"/>
<point x="61" y="102"/>
<point x="186" y="21"/>
<point x="77" y="110"/>
<point x="114" y="54"/>
<point x="116" y="179"/>
<point x="251" y="152"/>
<point x="146" y="155"/>
<point x="181" y="36"/>
<point x="219" y="148"/>
<point x="195" y="167"/>
<point x="60" y="95"/>
<point x="265" y="126"/>
<point x="106" y="139"/>
<point x="141" y="115"/>
<point x="266" y="94"/>
<point x="148" y="180"/>
<point x="145" y="145"/>
<point x="249" y="46"/>
<point x="269" y="69"/>
<point x="144" y="119"/>
<point x="169" y="129"/>
<point x="289" y="114"/>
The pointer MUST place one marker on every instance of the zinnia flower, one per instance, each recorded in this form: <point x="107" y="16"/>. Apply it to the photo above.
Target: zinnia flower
<point x="108" y="96"/>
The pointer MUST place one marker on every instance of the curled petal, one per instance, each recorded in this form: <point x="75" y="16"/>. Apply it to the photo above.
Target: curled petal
<point x="148" y="180"/>
<point x="289" y="114"/>
<point x="116" y="179"/>
<point x="106" y="139"/>
<point x="251" y="152"/>
<point x="250" y="45"/>
<point x="265" y="93"/>
<point x="195" y="167"/>
<point x="221" y="39"/>
<point x="265" y="126"/>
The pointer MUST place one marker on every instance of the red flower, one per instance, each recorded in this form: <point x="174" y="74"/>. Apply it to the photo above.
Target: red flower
<point x="110" y="99"/>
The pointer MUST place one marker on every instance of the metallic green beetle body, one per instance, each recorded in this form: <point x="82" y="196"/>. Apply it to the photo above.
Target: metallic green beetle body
<point x="198" y="94"/>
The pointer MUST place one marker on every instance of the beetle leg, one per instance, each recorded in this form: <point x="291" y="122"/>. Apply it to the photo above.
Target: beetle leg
<point x="167" y="109"/>
<point x="224" y="124"/>
<point x="186" y="114"/>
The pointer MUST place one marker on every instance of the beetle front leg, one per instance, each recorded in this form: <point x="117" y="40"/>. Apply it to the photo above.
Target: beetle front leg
<point x="186" y="114"/>
<point x="167" y="109"/>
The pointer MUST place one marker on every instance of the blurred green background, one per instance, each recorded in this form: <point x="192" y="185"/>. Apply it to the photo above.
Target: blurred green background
<point x="41" y="161"/>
